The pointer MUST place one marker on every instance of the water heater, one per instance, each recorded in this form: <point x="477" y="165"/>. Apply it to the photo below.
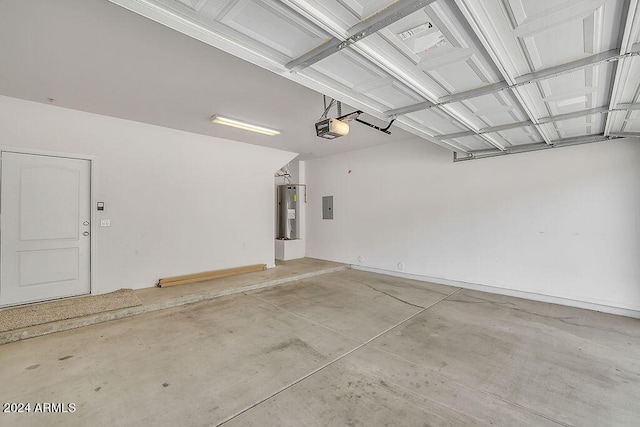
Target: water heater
<point x="288" y="218"/>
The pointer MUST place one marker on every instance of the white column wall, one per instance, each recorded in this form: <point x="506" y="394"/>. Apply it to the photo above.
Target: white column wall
<point x="178" y="202"/>
<point x="561" y="223"/>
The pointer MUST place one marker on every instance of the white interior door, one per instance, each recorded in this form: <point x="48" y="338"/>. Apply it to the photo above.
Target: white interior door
<point x="45" y="242"/>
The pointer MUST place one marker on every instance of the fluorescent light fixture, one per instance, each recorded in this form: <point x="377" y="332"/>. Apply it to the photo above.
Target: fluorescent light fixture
<point x="221" y="120"/>
<point x="416" y="30"/>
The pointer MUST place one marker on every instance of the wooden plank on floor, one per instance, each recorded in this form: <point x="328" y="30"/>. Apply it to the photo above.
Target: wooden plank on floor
<point x="209" y="275"/>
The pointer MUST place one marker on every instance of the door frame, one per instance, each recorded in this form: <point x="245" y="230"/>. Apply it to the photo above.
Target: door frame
<point x="93" y="163"/>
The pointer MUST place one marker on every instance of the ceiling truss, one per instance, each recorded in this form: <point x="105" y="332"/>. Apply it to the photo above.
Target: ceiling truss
<point x="480" y="77"/>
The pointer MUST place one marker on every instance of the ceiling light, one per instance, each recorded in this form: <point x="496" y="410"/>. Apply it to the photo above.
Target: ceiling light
<point x="243" y="125"/>
<point x="417" y="30"/>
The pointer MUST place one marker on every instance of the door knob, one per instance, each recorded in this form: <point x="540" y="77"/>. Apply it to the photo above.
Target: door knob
<point x="85" y="223"/>
<point x="86" y="233"/>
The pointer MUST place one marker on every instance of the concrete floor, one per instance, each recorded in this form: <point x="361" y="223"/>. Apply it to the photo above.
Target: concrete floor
<point x="345" y="348"/>
<point x="154" y="298"/>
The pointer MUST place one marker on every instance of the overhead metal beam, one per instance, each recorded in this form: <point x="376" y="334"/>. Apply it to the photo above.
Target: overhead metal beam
<point x="316" y="54"/>
<point x="424" y="105"/>
<point x="591" y="61"/>
<point x="574" y="115"/>
<point x="449" y="99"/>
<point x="485" y="130"/>
<point x="369" y="26"/>
<point x="481" y="154"/>
<point x="486" y="138"/>
<point x="580" y="140"/>
<point x="455" y="135"/>
<point x="525" y="148"/>
<point x="610" y="55"/>
<point x="506" y="127"/>
<point x="625" y="134"/>
<point x="623" y="107"/>
<point x="473" y="93"/>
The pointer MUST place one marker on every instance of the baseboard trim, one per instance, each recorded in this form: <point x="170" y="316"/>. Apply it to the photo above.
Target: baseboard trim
<point x="620" y="311"/>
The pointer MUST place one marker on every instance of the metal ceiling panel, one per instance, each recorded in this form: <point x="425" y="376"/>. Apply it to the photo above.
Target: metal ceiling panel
<point x="517" y="136"/>
<point x="336" y="16"/>
<point x="387" y="56"/>
<point x="351" y="70"/>
<point x="629" y="84"/>
<point x="627" y="94"/>
<point x="626" y="122"/>
<point x="393" y="95"/>
<point x="579" y="126"/>
<point x="436" y="122"/>
<point x="438" y="43"/>
<point x="268" y="23"/>
<point x="632" y="122"/>
<point x="532" y="35"/>
<point x="470" y="75"/>
<point x="495" y="109"/>
<point x="472" y="143"/>
<point x="566" y="93"/>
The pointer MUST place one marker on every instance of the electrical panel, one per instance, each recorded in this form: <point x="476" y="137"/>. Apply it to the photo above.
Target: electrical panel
<point x="327" y="207"/>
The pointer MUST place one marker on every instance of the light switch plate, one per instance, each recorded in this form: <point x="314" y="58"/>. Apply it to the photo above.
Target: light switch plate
<point x="105" y="223"/>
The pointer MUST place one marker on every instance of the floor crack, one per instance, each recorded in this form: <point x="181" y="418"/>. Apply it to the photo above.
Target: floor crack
<point x="388" y="294"/>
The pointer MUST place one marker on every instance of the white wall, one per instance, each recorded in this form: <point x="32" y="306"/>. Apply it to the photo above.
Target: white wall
<point x="178" y="202"/>
<point x="561" y="223"/>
